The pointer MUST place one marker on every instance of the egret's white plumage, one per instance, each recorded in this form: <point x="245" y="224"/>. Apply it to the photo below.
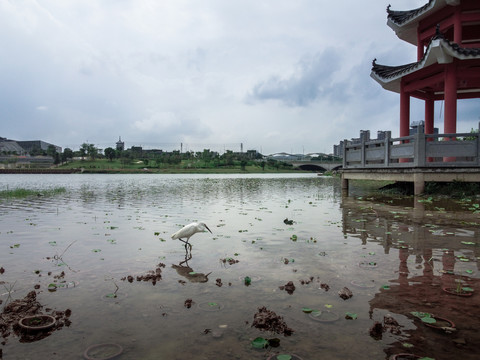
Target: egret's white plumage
<point x="188" y="230"/>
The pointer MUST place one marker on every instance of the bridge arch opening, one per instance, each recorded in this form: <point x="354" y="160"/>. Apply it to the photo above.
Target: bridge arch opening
<point x="310" y="167"/>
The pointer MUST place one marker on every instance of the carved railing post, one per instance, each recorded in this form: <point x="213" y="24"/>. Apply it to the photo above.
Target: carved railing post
<point x="386" y="145"/>
<point x="362" y="152"/>
<point x="419" y="148"/>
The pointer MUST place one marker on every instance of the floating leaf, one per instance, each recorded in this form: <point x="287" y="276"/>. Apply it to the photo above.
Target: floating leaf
<point x="284" y="357"/>
<point x="328" y="306"/>
<point x="424" y="316"/>
<point x="407" y="345"/>
<point x="247" y="280"/>
<point x="307" y="310"/>
<point x="386" y="287"/>
<point x="52" y="287"/>
<point x="53" y="243"/>
<point x="467" y="289"/>
<point x="293" y="238"/>
<point x="350" y="316"/>
<point x="96" y="250"/>
<point x="467" y="242"/>
<point x="429" y="320"/>
<point x="259" y="343"/>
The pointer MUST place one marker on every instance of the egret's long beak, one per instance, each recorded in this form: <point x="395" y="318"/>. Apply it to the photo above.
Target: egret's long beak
<point x="206" y="227"/>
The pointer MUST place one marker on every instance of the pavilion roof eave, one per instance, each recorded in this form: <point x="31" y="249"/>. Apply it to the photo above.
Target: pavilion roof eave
<point x="405" y="23"/>
<point x="439" y="51"/>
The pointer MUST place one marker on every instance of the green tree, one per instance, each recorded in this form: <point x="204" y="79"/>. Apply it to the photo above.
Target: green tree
<point x="92" y="151"/>
<point x="67" y="154"/>
<point x="51" y="151"/>
<point x="243" y="163"/>
<point x="83" y="150"/>
<point x="110" y="153"/>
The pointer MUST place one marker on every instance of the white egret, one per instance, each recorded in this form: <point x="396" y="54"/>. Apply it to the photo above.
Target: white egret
<point x="189" y="230"/>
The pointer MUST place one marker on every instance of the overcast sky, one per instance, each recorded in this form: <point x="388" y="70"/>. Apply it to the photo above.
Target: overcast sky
<point x="275" y="75"/>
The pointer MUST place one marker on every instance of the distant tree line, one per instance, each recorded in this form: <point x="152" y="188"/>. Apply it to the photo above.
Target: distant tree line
<point x="159" y="158"/>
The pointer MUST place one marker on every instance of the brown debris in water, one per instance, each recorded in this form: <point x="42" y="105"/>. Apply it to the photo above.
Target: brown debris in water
<point x="219" y="282"/>
<point x="345" y="293"/>
<point x="188" y="303"/>
<point x="230" y="261"/>
<point x="389" y="324"/>
<point x="267" y="320"/>
<point x="288" y="287"/>
<point x="376" y="331"/>
<point x="325" y="286"/>
<point x="151" y="275"/>
<point x="306" y="282"/>
<point x="392" y="325"/>
<point x="29" y="306"/>
<point x="2" y="270"/>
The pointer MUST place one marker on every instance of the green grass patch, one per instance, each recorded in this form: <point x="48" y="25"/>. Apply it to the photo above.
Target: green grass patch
<point x="23" y="193"/>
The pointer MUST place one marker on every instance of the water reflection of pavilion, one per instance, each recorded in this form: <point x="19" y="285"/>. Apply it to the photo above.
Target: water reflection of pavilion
<point x="434" y="240"/>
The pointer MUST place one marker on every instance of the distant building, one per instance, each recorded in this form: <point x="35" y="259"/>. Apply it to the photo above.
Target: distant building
<point x="137" y="151"/>
<point x="120" y="144"/>
<point x="414" y="127"/>
<point x="35" y="145"/>
<point x="24" y="147"/>
<point x="338" y="150"/>
<point x="10" y="147"/>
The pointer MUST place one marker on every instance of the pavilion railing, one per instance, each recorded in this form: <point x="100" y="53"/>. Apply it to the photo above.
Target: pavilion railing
<point x="415" y="151"/>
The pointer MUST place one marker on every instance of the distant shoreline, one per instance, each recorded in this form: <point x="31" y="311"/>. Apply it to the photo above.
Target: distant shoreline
<point x="147" y="171"/>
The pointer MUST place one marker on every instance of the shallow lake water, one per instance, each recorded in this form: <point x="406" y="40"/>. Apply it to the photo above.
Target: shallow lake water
<point x="394" y="255"/>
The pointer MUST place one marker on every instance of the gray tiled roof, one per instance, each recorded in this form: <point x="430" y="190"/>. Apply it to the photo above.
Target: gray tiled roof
<point x="400" y="17"/>
<point x="388" y="72"/>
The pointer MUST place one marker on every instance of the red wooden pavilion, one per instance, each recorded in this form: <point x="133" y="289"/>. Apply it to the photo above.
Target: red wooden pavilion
<point x="447" y="36"/>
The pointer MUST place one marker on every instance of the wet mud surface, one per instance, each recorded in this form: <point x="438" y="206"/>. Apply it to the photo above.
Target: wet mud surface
<point x="18" y="309"/>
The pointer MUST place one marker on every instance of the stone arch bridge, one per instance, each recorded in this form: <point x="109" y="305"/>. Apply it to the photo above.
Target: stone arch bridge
<point x="315" y="165"/>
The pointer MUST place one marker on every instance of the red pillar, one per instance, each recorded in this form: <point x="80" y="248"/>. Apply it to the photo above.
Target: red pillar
<point x="419" y="46"/>
<point x="429" y="115"/>
<point x="457" y="26"/>
<point x="429" y="118"/>
<point x="450" y="123"/>
<point x="404" y="115"/>
<point x="450" y="89"/>
<point x="404" y="112"/>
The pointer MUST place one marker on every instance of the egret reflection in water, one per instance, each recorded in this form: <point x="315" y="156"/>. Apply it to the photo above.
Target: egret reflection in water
<point x="183" y="269"/>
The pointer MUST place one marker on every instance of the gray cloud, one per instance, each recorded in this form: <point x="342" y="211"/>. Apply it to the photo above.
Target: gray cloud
<point x="312" y="78"/>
